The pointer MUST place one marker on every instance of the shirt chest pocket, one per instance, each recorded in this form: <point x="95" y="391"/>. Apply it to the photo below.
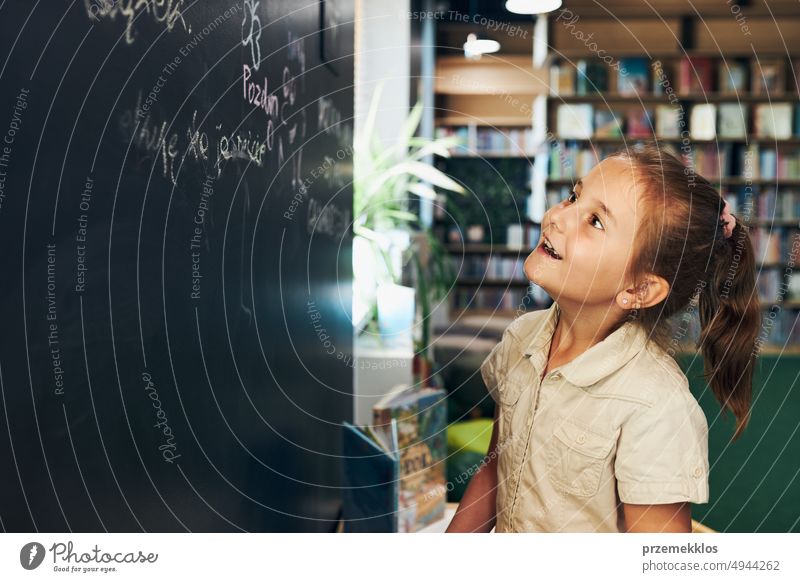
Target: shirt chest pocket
<point x="510" y="392"/>
<point x="576" y="457"/>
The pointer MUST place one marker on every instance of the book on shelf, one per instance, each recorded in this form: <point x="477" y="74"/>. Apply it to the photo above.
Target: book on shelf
<point x="668" y="121"/>
<point x="461" y="132"/>
<point x="773" y="244"/>
<point x="695" y="75"/>
<point x="572" y="161"/>
<point x="733" y="76"/>
<point x="732" y="120"/>
<point x="773" y="204"/>
<point x="767" y="76"/>
<point x="574" y="121"/>
<point x="797" y="119"/>
<point x="663" y="74"/>
<point x="633" y="76"/>
<point x="562" y="79"/>
<point x="394" y="470"/>
<point x="639" y="122"/>
<point x="773" y="120"/>
<point x="710" y="160"/>
<point x="500" y="299"/>
<point x="607" y="123"/>
<point x="510" y="141"/>
<point x="703" y="121"/>
<point x="775" y="286"/>
<point x="592" y="77"/>
<point x="492" y="266"/>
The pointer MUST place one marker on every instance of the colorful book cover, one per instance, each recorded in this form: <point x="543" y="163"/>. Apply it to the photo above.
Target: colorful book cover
<point x="668" y="121"/>
<point x="733" y="77"/>
<point x="562" y="79"/>
<point x="607" y="123"/>
<point x="773" y="120"/>
<point x="592" y="77"/>
<point x="695" y="76"/>
<point x="768" y="76"/>
<point x="633" y="77"/>
<point x="732" y="120"/>
<point x="640" y="122"/>
<point x="574" y="121"/>
<point x="421" y="420"/>
<point x="703" y="122"/>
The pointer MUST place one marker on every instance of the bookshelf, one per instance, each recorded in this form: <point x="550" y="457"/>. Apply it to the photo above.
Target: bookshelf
<point x="489" y="104"/>
<point x="736" y="110"/>
<point x="735" y="105"/>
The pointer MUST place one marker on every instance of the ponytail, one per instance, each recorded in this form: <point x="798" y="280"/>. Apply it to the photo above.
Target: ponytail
<point x="730" y="320"/>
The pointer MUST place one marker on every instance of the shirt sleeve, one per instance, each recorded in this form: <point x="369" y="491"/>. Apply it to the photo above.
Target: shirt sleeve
<point x="662" y="453"/>
<point x="498" y="362"/>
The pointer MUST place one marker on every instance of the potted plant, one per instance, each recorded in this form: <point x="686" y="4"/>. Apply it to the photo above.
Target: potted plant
<point x="386" y="181"/>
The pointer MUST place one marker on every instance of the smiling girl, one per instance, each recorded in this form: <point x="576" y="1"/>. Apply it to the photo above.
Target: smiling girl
<point x="595" y="427"/>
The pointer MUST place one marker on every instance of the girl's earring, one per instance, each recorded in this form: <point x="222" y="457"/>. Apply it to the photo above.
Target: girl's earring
<point x="624" y="300"/>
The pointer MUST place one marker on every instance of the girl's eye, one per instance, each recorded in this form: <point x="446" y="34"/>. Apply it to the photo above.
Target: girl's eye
<point x="593" y="218"/>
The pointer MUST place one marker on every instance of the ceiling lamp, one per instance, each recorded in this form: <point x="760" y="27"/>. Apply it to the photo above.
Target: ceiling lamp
<point x="475" y="47"/>
<point x="532" y="6"/>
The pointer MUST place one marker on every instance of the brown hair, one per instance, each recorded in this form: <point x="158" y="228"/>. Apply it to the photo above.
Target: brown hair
<point x="682" y="240"/>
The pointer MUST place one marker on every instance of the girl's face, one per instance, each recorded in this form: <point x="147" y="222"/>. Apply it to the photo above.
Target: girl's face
<point x="593" y="232"/>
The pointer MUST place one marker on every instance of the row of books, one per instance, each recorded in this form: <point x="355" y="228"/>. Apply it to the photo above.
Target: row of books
<point x="490" y="267"/>
<point x="774" y="204"/>
<point x="775" y="244"/>
<point x="782" y="329"/>
<point x="524" y="298"/>
<point x="572" y="160"/>
<point x="777" y="286"/>
<point x="684" y="76"/>
<point x="704" y="121"/>
<point x="489" y="140"/>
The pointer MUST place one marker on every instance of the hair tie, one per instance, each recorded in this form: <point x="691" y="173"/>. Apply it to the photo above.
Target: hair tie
<point x="727" y="218"/>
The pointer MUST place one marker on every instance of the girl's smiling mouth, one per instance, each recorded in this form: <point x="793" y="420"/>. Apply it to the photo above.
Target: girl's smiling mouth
<point x="547" y="248"/>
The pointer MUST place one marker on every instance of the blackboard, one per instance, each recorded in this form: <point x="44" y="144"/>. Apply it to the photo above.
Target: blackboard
<point x="175" y="218"/>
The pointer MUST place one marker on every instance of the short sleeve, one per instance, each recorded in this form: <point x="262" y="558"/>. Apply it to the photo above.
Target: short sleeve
<point x="497" y="363"/>
<point x="662" y="453"/>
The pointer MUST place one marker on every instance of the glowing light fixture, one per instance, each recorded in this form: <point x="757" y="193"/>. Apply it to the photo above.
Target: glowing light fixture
<point x="532" y="6"/>
<point x="474" y="47"/>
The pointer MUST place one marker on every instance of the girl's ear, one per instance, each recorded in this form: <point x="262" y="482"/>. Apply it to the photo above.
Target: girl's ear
<point x="651" y="291"/>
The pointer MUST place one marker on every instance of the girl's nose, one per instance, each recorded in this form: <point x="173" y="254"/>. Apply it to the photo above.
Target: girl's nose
<point x="557" y="216"/>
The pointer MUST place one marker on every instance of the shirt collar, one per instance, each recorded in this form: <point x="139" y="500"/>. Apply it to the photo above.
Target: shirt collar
<point x="599" y="361"/>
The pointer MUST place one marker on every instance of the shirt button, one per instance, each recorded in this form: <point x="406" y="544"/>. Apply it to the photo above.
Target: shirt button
<point x="698" y="472"/>
<point x="581" y="439"/>
<point x="555" y="375"/>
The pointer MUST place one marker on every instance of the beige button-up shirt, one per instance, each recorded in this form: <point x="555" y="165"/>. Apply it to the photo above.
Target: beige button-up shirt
<point x="617" y="423"/>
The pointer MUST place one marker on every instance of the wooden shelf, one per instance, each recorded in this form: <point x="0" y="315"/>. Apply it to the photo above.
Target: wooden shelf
<point x="485" y="121"/>
<point x="724" y="182"/>
<point x="491" y="283"/>
<point x="679" y="53"/>
<point x="665" y="98"/>
<point x="501" y="155"/>
<point x="483" y="249"/>
<point x="630" y="139"/>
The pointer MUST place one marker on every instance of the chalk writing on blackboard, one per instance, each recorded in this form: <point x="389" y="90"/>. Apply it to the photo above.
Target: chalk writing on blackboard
<point x="251" y="31"/>
<point x="170" y="145"/>
<point x="327" y="219"/>
<point x="167" y="12"/>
